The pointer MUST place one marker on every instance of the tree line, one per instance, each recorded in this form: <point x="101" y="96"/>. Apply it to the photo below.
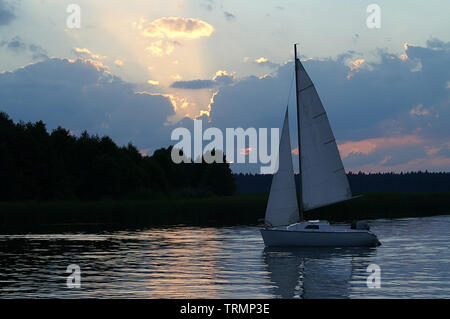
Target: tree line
<point x="38" y="165"/>
<point x="411" y="182"/>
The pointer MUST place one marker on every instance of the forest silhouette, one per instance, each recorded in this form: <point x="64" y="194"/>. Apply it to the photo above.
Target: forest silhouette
<point x="38" y="165"/>
<point x="410" y="182"/>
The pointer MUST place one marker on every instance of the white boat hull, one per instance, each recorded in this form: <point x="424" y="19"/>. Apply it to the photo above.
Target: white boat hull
<point x="284" y="238"/>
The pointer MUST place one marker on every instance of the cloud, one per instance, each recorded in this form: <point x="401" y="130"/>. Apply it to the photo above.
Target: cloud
<point x="153" y="82"/>
<point x="419" y="111"/>
<point x="246" y="150"/>
<point x="207" y="4"/>
<point x="261" y="60"/>
<point x="177" y="102"/>
<point x="229" y="16"/>
<point x="118" y="63"/>
<point x="6" y="13"/>
<point x="377" y="115"/>
<point x="193" y="84"/>
<point x="374" y="114"/>
<point x="251" y="102"/>
<point x="38" y="53"/>
<point x="385" y="159"/>
<point x="86" y="53"/>
<point x="155" y="48"/>
<point x="370" y="145"/>
<point x="435" y="43"/>
<point x="220" y="78"/>
<point x="160" y="48"/>
<point x="355" y="66"/>
<point x="176" y="27"/>
<point x="81" y="95"/>
<point x="432" y="150"/>
<point x="265" y="62"/>
<point x="18" y="46"/>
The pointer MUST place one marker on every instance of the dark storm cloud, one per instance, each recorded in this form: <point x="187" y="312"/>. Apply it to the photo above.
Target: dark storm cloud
<point x="406" y="96"/>
<point x="391" y="112"/>
<point x="81" y="95"/>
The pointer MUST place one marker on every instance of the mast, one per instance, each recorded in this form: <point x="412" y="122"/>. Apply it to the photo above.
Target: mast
<point x="298" y="135"/>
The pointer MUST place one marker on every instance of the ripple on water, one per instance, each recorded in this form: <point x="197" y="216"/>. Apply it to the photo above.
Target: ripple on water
<point x="194" y="262"/>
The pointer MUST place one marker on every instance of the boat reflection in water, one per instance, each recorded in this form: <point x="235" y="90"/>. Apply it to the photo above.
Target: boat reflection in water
<point x="316" y="272"/>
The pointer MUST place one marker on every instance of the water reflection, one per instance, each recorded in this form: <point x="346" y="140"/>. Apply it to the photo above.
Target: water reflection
<point x="224" y="262"/>
<point x="314" y="272"/>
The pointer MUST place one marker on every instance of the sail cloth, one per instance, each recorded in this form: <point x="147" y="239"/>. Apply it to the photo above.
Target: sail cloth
<point x="282" y="207"/>
<point x="323" y="175"/>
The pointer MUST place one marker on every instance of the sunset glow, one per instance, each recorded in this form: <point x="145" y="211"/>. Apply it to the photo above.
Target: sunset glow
<point x="370" y="145"/>
<point x="160" y="64"/>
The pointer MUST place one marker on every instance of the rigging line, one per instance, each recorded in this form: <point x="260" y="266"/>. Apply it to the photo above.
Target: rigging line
<point x="290" y="88"/>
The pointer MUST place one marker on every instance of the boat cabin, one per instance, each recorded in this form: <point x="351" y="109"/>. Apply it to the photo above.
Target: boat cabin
<point x="309" y="225"/>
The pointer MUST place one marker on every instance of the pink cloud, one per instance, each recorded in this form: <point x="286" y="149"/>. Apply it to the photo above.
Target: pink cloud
<point x="419" y="110"/>
<point x="432" y="150"/>
<point x="246" y="151"/>
<point x="385" y="159"/>
<point x="368" y="146"/>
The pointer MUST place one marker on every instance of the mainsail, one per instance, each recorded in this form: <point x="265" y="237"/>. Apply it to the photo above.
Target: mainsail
<point x="323" y="176"/>
<point x="282" y="207"/>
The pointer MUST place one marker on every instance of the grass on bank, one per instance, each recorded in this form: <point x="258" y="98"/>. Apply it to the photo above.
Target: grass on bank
<point x="215" y="211"/>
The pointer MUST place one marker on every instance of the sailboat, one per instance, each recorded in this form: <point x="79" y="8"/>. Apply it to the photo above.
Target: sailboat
<point x="323" y="180"/>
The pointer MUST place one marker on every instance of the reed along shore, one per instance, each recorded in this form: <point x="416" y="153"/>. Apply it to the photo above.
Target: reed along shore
<point x="245" y="209"/>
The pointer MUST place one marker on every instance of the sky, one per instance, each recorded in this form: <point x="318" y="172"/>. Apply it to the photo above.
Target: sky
<point x="135" y="70"/>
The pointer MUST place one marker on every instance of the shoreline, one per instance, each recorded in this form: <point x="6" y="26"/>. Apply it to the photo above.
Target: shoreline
<point x="242" y="209"/>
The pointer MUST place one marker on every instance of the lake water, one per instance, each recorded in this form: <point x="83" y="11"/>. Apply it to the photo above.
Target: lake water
<point x="229" y="262"/>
